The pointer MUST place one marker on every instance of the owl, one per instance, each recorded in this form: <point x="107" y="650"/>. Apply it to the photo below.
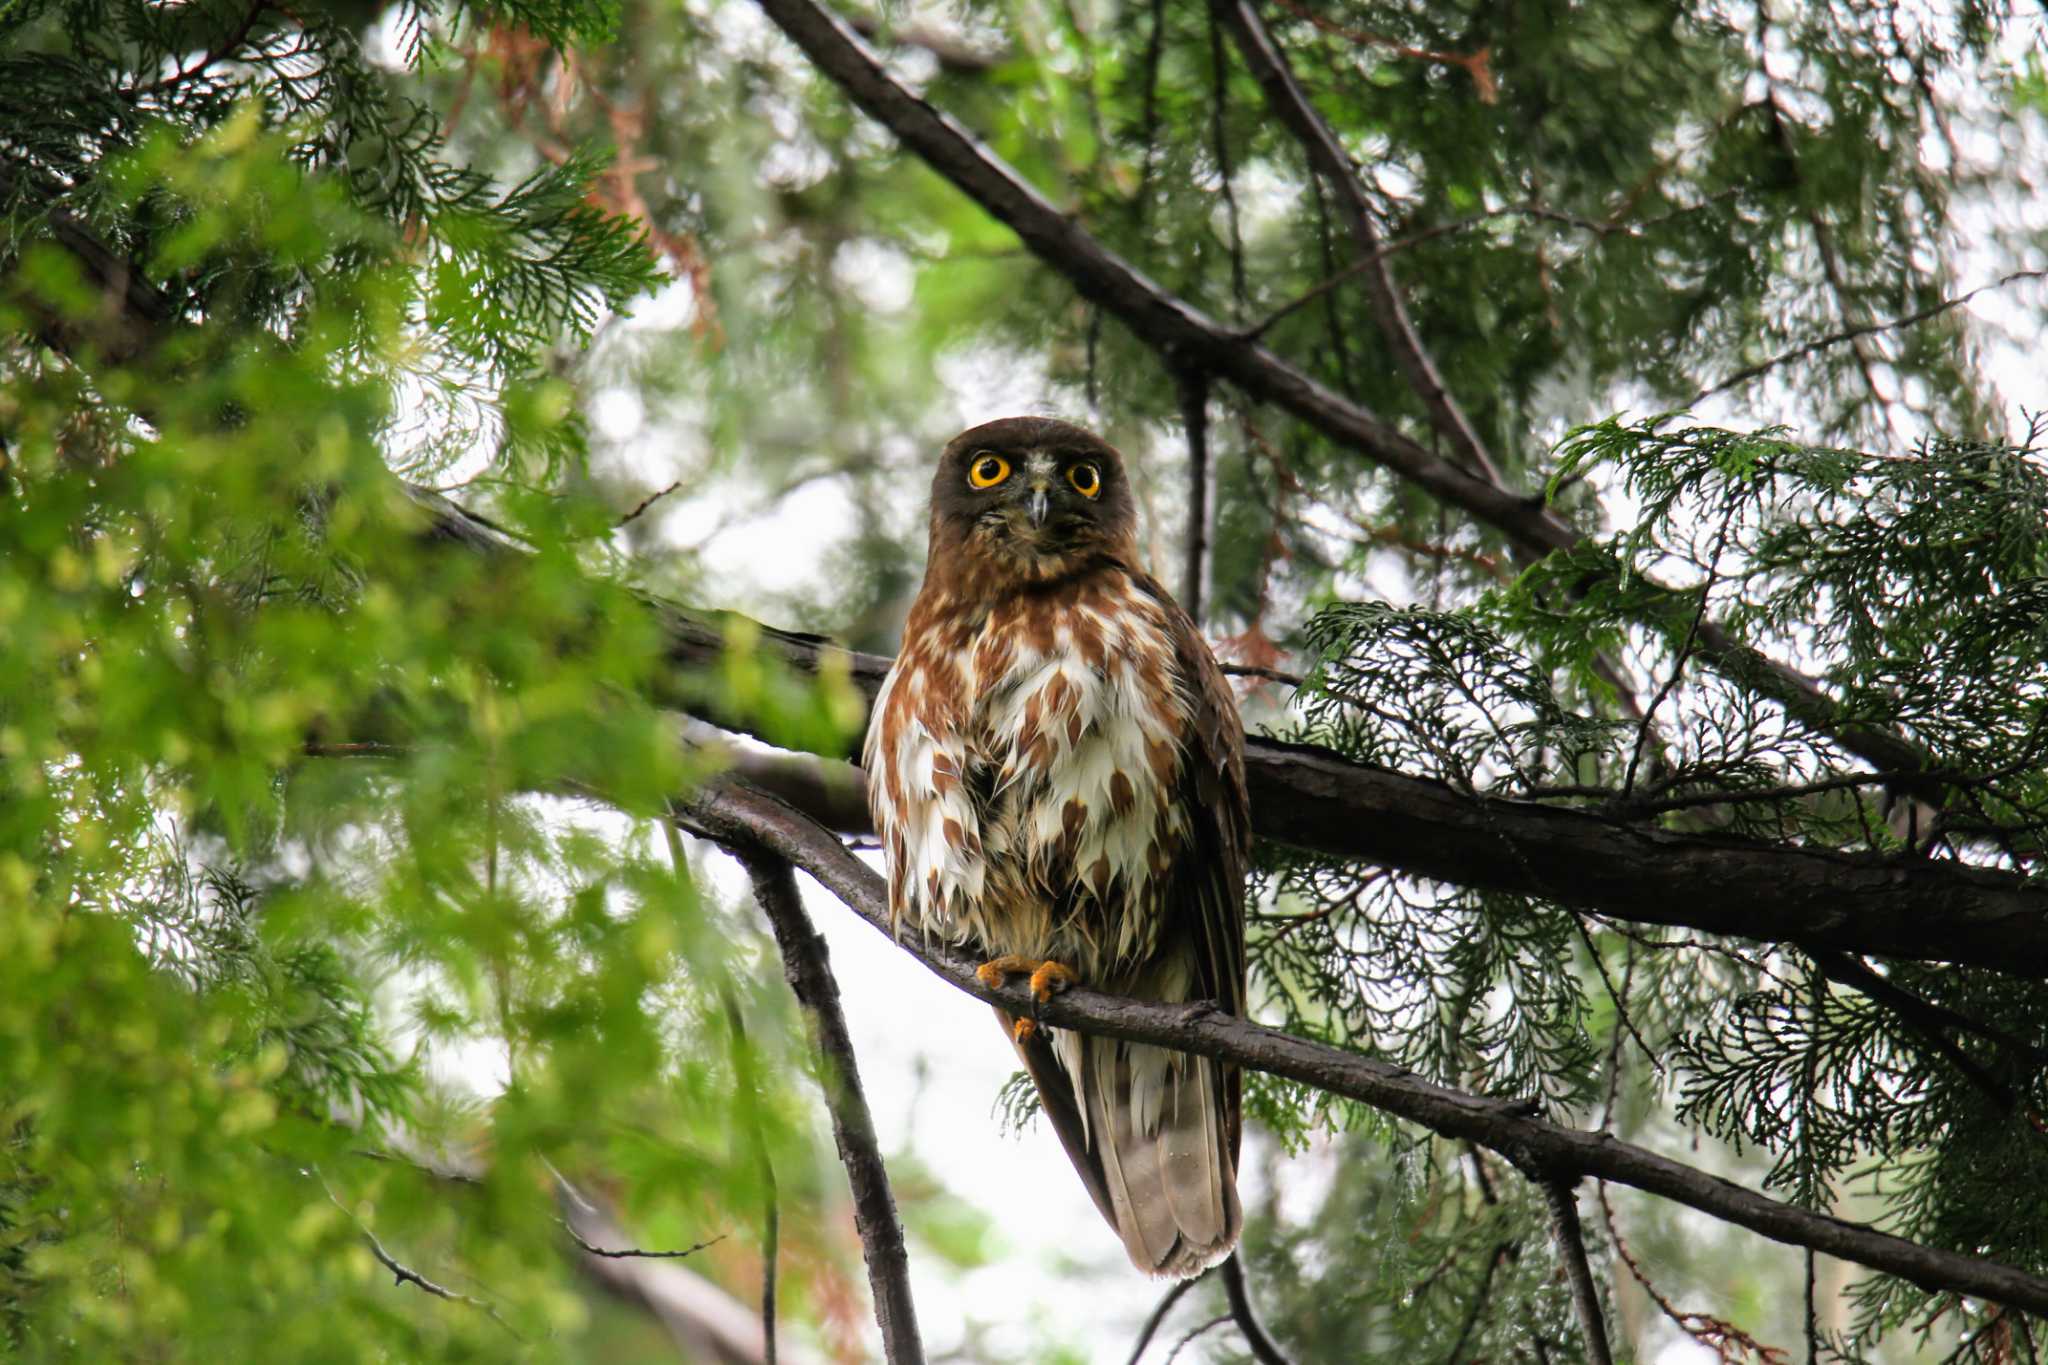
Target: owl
<point x="1056" y="770"/>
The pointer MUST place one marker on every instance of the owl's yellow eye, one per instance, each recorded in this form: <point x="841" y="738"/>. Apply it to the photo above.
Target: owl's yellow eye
<point x="1086" y="478"/>
<point x="988" y="470"/>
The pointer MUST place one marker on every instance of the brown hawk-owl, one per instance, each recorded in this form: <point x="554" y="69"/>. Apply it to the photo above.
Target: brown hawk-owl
<point x="1057" y="774"/>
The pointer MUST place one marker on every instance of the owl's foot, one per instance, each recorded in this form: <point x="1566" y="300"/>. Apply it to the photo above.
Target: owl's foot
<point x="1048" y="978"/>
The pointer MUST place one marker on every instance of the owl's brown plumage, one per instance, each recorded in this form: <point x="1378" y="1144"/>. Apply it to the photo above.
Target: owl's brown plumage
<point x="1057" y="773"/>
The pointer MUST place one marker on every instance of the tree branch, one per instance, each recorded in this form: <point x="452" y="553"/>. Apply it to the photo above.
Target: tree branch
<point x="1571" y="1247"/>
<point x="403" y="1274"/>
<point x="734" y="814"/>
<point x="853" y="1127"/>
<point x="1169" y="324"/>
<point x="1327" y="158"/>
<point x="1318" y="801"/>
<point x="1264" y="1349"/>
<point x="1758" y="370"/>
<point x="1194" y="574"/>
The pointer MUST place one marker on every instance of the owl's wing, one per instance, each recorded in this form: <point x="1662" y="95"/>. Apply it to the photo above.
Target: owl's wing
<point x="1208" y="895"/>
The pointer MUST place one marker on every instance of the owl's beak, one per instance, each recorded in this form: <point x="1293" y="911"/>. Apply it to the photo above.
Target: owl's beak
<point x="1037" y="505"/>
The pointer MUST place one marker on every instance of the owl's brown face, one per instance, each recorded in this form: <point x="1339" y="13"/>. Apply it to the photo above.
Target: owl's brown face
<point x="1031" y="498"/>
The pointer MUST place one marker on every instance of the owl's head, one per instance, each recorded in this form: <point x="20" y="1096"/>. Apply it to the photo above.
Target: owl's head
<point x="1030" y="498"/>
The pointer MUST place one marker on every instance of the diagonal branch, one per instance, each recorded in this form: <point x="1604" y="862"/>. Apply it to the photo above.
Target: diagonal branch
<point x="1850" y="334"/>
<point x="1184" y="335"/>
<point x="1327" y="158"/>
<point x="1264" y="1349"/>
<point x="1570" y="1237"/>
<point x="1169" y="324"/>
<point x="729" y="812"/>
<point x="853" y="1127"/>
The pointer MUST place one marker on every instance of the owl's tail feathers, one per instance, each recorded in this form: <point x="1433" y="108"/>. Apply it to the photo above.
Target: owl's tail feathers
<point x="1158" y="1126"/>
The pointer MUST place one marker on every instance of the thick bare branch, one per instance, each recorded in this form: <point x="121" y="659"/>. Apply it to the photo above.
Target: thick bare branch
<point x="853" y="1127"/>
<point x="735" y="813"/>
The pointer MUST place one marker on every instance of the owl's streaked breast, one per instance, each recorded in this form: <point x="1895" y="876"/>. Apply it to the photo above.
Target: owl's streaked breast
<point x="1027" y="799"/>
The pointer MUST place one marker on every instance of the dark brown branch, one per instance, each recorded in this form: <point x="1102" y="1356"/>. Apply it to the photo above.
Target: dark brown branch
<point x="1571" y="1247"/>
<point x="1925" y="1018"/>
<point x="1312" y="799"/>
<point x="731" y="813"/>
<point x="1164" y="321"/>
<point x="853" y="1127"/>
<point x="1328" y="159"/>
<point x="1264" y="1349"/>
<point x="1186" y="336"/>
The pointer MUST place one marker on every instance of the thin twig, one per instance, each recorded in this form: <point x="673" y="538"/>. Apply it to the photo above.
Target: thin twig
<point x="1194" y="416"/>
<point x="810" y="976"/>
<point x="1473" y="64"/>
<point x="1477" y="1309"/>
<point x="1727" y="1341"/>
<point x="1277" y="675"/>
<point x="627" y="1253"/>
<point x="645" y="503"/>
<point x="1850" y="334"/>
<point x="1571" y="1245"/>
<point x="404" y="1274"/>
<point x="1211" y="1325"/>
<point x="1923" y="1017"/>
<point x="1264" y="1349"/>
<point x="1619" y="997"/>
<point x="1152" y="1323"/>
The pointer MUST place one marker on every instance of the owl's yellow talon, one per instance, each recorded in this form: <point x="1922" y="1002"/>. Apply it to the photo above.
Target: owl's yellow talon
<point x="1023" y="1029"/>
<point x="1050" y="979"/>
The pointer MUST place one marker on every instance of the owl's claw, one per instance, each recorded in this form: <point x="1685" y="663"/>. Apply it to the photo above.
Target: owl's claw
<point x="1048" y="978"/>
<point x="1023" y="1029"/>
